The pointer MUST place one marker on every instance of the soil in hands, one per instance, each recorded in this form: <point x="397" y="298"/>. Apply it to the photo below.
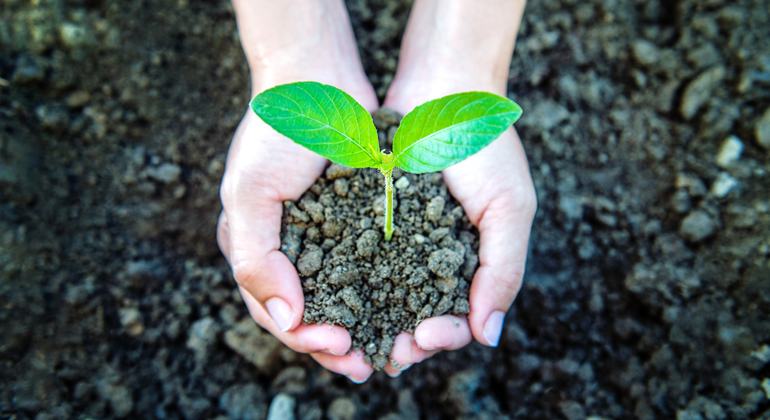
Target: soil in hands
<point x="353" y="278"/>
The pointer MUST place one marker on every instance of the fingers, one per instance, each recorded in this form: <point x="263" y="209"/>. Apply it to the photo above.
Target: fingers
<point x="351" y="365"/>
<point x="258" y="177"/>
<point x="443" y="333"/>
<point x="431" y="336"/>
<point x="305" y="338"/>
<point x="496" y="191"/>
<point x="406" y="352"/>
<point x="268" y="275"/>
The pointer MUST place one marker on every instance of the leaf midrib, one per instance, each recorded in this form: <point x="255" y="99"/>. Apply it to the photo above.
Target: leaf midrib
<point x="301" y="115"/>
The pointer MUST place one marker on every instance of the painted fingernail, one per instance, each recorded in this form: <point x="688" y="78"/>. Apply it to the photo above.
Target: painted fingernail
<point x="493" y="328"/>
<point x="281" y="313"/>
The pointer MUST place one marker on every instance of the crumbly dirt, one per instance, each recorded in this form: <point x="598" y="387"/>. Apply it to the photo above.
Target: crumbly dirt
<point x="646" y="294"/>
<point x="353" y="278"/>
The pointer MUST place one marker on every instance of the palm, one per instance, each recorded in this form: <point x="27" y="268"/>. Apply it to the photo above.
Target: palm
<point x="496" y="191"/>
<point x="263" y="169"/>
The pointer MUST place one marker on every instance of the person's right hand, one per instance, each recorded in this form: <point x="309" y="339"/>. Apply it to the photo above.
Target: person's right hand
<point x="265" y="168"/>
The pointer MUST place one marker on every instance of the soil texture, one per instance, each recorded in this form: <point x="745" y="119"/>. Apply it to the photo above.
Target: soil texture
<point x="353" y="278"/>
<point x="647" y="292"/>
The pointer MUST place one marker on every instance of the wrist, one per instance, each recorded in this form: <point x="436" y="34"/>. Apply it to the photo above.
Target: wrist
<point x="301" y="40"/>
<point x="451" y="47"/>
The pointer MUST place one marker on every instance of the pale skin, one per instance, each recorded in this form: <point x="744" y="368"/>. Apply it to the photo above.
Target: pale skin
<point x="449" y="46"/>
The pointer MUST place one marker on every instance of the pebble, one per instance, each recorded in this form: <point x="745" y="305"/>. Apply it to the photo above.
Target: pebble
<point x="242" y="402"/>
<point x="282" y="407"/>
<point x="438" y="234"/>
<point x="166" y="173"/>
<point x="76" y="295"/>
<point x="335" y="171"/>
<point x="253" y="344"/>
<point x="310" y="260"/>
<point x="697" y="226"/>
<point x="723" y="184"/>
<point x="402" y="183"/>
<point x="131" y="320"/>
<point x="444" y="262"/>
<point x="119" y="397"/>
<point x="443" y="305"/>
<point x="762" y="354"/>
<point x="52" y="116"/>
<point x="341" y="187"/>
<point x="385" y="117"/>
<point x="368" y="243"/>
<point x="447" y="285"/>
<point x="699" y="91"/>
<point x="201" y="336"/>
<point x="572" y="410"/>
<point x="78" y="99"/>
<point x="645" y="52"/>
<point x="341" y="409"/>
<point x="434" y="209"/>
<point x="730" y="152"/>
<point x="73" y="35"/>
<point x="419" y="239"/>
<point x="546" y="115"/>
<point x="762" y="130"/>
<point x="27" y="71"/>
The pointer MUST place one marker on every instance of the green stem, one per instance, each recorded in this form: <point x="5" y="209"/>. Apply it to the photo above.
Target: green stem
<point x="388" y="204"/>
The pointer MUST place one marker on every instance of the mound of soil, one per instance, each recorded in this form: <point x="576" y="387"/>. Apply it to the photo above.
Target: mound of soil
<point x="375" y="289"/>
<point x="646" y="294"/>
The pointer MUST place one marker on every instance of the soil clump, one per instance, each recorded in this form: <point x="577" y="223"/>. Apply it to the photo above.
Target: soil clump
<point x="353" y="278"/>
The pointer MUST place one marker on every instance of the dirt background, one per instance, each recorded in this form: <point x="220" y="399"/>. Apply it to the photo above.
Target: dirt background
<point x="647" y="290"/>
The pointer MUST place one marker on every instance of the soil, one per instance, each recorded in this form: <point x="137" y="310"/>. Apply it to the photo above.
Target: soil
<point x="646" y="294"/>
<point x="353" y="278"/>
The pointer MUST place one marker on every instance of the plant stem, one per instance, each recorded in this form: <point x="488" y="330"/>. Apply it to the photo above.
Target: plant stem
<point x="388" y="204"/>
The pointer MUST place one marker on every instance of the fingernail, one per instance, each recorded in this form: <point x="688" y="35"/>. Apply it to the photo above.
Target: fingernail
<point x="327" y="351"/>
<point x="281" y="313"/>
<point x="493" y="328"/>
<point x="395" y="375"/>
<point x="357" y="381"/>
<point x="406" y="367"/>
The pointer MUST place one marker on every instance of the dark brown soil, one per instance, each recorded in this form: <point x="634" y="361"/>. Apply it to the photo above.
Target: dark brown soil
<point x="375" y="289"/>
<point x="646" y="294"/>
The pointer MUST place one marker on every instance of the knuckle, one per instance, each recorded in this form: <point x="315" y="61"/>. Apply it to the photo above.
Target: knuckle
<point x="244" y="272"/>
<point x="512" y="284"/>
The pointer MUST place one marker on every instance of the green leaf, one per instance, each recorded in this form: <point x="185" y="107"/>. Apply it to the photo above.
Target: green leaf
<point x="323" y="119"/>
<point x="445" y="131"/>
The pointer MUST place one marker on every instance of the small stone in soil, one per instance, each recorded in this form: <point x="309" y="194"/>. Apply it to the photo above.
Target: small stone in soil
<point x="443" y="306"/>
<point x="310" y="260"/>
<point x="434" y="209"/>
<point x="341" y="187"/>
<point x="368" y="243"/>
<point x="344" y="274"/>
<point x="697" y="226"/>
<point x="446" y="285"/>
<point x="444" y="262"/>
<point x="336" y="171"/>
<point x="730" y="152"/>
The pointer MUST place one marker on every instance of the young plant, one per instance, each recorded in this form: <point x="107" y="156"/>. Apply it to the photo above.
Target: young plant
<point x="434" y="136"/>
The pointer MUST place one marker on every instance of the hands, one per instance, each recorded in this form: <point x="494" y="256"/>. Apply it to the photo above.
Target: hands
<point x="264" y="168"/>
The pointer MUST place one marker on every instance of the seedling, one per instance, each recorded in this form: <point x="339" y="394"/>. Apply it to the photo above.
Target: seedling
<point x="434" y="136"/>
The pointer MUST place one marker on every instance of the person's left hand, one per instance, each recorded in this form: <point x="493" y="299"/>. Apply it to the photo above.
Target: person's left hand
<point x="496" y="191"/>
